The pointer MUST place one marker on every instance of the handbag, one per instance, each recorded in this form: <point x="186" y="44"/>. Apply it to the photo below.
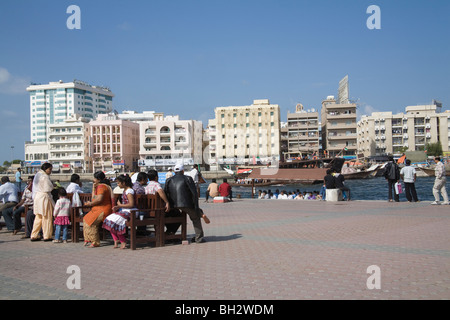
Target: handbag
<point x="398" y="188"/>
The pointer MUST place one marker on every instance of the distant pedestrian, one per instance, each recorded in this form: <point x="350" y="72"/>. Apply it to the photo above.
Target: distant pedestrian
<point x="61" y="214"/>
<point x="439" y="182"/>
<point x="408" y="175"/>
<point x="19" y="179"/>
<point x="169" y="174"/>
<point x="392" y="176"/>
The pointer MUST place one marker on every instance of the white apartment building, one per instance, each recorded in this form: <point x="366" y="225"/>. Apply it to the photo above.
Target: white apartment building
<point x="244" y="134"/>
<point x="36" y="154"/>
<point x="56" y="102"/>
<point x="168" y="140"/>
<point x="68" y="145"/>
<point x="386" y="133"/>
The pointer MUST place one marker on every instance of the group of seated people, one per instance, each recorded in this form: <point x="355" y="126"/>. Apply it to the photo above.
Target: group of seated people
<point x="216" y="190"/>
<point x="292" y="195"/>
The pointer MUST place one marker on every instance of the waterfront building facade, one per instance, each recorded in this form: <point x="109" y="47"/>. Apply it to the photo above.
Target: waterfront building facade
<point x="56" y="102"/>
<point x="114" y="144"/>
<point x="339" y="125"/>
<point x="36" y="154"/>
<point x="303" y="134"/>
<point x="386" y="133"/>
<point x="165" y="141"/>
<point x="245" y="134"/>
<point x="68" y="145"/>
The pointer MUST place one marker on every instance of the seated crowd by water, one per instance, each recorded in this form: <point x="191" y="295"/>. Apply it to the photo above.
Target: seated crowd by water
<point x="290" y="195"/>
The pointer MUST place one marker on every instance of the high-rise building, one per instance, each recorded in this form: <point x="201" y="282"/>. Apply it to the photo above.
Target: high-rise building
<point x="245" y="134"/>
<point x="56" y="102"/>
<point x="338" y="128"/>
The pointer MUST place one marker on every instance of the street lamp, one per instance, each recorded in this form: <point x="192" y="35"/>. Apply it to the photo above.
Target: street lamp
<point x="12" y="154"/>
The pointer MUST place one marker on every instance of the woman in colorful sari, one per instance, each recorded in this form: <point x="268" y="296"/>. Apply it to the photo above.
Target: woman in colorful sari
<point x="43" y="203"/>
<point x="102" y="201"/>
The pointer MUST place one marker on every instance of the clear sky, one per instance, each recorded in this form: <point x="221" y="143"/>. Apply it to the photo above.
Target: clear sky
<point x="187" y="57"/>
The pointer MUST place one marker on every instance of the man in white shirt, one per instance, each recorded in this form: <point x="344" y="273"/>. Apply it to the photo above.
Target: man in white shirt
<point x="408" y="174"/>
<point x="194" y="175"/>
<point x="75" y="184"/>
<point x="9" y="194"/>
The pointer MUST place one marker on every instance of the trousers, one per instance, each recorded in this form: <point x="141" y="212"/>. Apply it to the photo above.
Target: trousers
<point x="439" y="186"/>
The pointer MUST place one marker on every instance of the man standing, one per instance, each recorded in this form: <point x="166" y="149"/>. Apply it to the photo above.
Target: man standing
<point x="194" y="174"/>
<point x="439" y="182"/>
<point x="408" y="175"/>
<point x="182" y="194"/>
<point x="392" y="175"/>
<point x="19" y="179"/>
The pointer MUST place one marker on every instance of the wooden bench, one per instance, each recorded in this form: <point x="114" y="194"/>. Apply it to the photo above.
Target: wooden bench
<point x="152" y="207"/>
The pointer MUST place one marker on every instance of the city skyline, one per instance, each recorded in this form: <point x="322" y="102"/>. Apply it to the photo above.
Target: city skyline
<point x="188" y="58"/>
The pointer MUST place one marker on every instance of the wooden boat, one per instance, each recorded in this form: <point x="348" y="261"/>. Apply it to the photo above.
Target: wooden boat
<point x="360" y="173"/>
<point x="430" y="171"/>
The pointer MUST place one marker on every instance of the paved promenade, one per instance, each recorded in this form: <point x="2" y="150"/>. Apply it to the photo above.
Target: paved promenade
<point x="255" y="250"/>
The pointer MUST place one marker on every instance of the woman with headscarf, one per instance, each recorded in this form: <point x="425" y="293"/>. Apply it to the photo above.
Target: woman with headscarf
<point x="102" y="201"/>
<point x="43" y="203"/>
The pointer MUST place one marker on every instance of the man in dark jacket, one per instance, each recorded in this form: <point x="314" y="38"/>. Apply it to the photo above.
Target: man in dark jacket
<point x="339" y="180"/>
<point x="392" y="176"/>
<point x="182" y="194"/>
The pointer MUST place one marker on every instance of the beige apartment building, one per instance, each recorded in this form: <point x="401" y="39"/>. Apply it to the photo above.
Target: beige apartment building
<point x="386" y="133"/>
<point x="303" y="133"/>
<point x="244" y="134"/>
<point x="338" y="128"/>
<point x="165" y="141"/>
<point x="114" y="143"/>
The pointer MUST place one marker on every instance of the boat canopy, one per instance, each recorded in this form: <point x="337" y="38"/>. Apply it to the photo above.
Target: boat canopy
<point x="274" y="174"/>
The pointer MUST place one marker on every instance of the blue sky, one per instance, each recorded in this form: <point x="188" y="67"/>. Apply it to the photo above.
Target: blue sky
<point x="188" y="57"/>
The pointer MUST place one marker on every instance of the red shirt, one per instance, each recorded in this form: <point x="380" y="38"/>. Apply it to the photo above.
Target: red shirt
<point x="224" y="189"/>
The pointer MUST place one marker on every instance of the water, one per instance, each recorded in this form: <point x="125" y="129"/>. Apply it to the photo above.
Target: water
<point x="361" y="189"/>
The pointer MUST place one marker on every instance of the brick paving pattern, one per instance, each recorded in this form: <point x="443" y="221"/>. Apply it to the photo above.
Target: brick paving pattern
<point x="255" y="250"/>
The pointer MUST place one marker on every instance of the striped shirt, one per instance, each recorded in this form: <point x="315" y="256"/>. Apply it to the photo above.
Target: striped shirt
<point x="62" y="208"/>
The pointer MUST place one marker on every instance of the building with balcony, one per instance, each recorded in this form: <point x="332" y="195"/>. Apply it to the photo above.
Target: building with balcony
<point x="114" y="144"/>
<point x="386" y="133"/>
<point x="56" y="102"/>
<point x="244" y="134"/>
<point x="168" y="140"/>
<point x="303" y="133"/>
<point x="338" y="128"/>
<point x="68" y="145"/>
